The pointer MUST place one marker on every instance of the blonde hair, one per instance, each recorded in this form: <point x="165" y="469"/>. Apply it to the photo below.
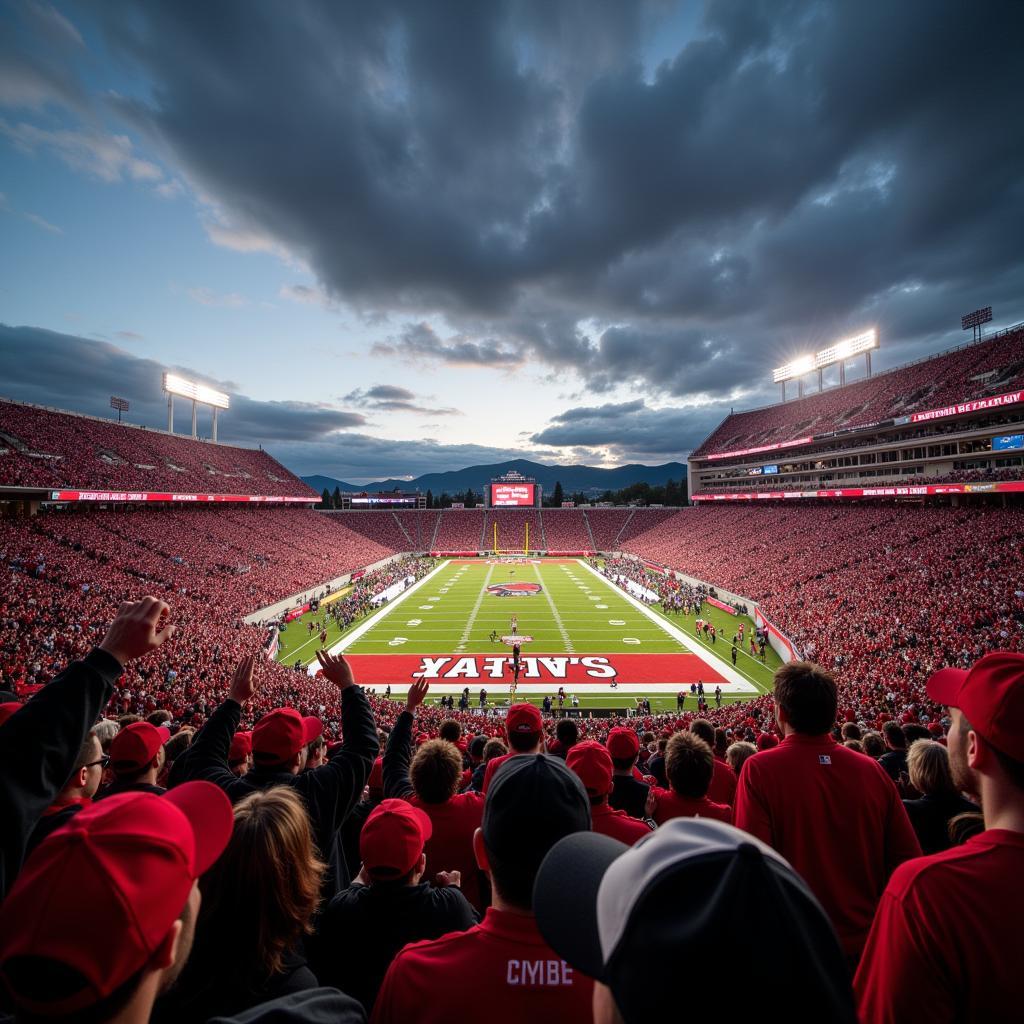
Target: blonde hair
<point x="928" y="767"/>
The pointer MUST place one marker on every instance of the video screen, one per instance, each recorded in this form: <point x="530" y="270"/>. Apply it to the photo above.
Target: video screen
<point x="512" y="495"/>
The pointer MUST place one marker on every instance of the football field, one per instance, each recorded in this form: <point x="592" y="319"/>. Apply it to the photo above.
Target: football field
<point x="576" y="630"/>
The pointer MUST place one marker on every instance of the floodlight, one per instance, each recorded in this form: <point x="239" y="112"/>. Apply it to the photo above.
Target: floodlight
<point x="847" y="348"/>
<point x="175" y="385"/>
<point x="797" y="368"/>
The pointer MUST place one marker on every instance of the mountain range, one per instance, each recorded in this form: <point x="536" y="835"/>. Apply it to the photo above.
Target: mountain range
<point x="587" y="479"/>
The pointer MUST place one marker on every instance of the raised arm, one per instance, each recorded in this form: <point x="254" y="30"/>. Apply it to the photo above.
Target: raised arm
<point x="39" y="743"/>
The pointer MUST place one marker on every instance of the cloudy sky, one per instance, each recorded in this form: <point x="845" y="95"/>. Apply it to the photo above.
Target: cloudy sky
<point x="410" y="236"/>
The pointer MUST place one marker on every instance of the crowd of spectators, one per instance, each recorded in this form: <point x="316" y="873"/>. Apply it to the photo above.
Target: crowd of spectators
<point x="460" y="529"/>
<point x="45" y="448"/>
<point x="930" y="384"/>
<point x="565" y="529"/>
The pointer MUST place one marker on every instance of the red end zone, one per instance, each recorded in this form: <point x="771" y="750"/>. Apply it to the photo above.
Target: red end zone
<point x="639" y="669"/>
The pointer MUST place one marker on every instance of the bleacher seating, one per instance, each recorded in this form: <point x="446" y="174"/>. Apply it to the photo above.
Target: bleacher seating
<point x="989" y="368"/>
<point x="43" y="448"/>
<point x="565" y="529"/>
<point x="511" y="524"/>
<point x="460" y="529"/>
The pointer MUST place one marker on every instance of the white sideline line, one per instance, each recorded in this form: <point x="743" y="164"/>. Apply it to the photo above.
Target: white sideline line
<point x="739" y="683"/>
<point x="554" y="611"/>
<point x="476" y="608"/>
<point x="367" y="624"/>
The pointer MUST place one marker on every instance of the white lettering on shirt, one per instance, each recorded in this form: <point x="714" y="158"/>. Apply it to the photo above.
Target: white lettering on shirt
<point x="547" y="973"/>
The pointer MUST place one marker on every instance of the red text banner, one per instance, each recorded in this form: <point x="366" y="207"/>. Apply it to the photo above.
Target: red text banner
<point x="908" y="491"/>
<point x="555" y="669"/>
<point x="512" y="495"/>
<point x="721" y="605"/>
<point x="978" y="405"/>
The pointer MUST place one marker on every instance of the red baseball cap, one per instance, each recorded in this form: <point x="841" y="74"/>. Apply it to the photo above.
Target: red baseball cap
<point x="623" y="743"/>
<point x="392" y="838"/>
<point x="991" y="697"/>
<point x="524" y="718"/>
<point x="241" y="747"/>
<point x="8" y="709"/>
<point x="121" y="869"/>
<point x="136" y="745"/>
<point x="593" y="764"/>
<point x="767" y="740"/>
<point x="281" y="734"/>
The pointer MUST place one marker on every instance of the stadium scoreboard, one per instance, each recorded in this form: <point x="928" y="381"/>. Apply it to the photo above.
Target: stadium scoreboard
<point x="513" y="491"/>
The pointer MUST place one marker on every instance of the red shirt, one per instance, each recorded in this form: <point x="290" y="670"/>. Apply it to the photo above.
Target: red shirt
<point x="946" y="940"/>
<point x="492" y="766"/>
<point x="723" y="784"/>
<point x="502" y="964"/>
<point x="617" y="824"/>
<point x="450" y="846"/>
<point x="671" y="805"/>
<point x="836" y="817"/>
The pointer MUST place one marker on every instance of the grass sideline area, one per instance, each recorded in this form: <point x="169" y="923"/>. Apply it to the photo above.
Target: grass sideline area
<point x="569" y="611"/>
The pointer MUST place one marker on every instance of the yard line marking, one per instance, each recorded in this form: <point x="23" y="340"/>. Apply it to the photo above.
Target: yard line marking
<point x="554" y="611"/>
<point x="476" y="608"/>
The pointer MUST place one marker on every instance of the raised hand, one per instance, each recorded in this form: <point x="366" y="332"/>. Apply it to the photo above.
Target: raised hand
<point x="138" y="628"/>
<point x="414" y="698"/>
<point x="651" y="805"/>
<point x="243" y="685"/>
<point x="336" y="670"/>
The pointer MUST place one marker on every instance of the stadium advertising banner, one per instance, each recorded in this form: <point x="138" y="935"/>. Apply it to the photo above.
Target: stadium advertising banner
<point x="979" y="405"/>
<point x="1007" y="442"/>
<point x="168" y="496"/>
<point x="405" y="500"/>
<point x="512" y="495"/>
<point x="922" y="490"/>
<point x="721" y="605"/>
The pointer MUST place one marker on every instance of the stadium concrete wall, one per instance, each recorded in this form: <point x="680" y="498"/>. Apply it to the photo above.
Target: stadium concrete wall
<point x="272" y="611"/>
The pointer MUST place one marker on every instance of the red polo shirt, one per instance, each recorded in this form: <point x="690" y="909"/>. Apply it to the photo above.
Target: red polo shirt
<point x="723" y="784"/>
<point x="617" y="824"/>
<point x="946" y="943"/>
<point x="450" y="847"/>
<point x="836" y="817"/>
<point x="671" y="805"/>
<point x="502" y="965"/>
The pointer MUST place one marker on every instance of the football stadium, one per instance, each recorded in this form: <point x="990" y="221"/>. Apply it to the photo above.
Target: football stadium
<point x="454" y="738"/>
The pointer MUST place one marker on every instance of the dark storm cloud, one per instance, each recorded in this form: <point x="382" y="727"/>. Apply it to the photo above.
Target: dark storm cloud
<point x="389" y="398"/>
<point x="70" y="372"/>
<point x="794" y="172"/>
<point x="421" y="342"/>
<point x="631" y="430"/>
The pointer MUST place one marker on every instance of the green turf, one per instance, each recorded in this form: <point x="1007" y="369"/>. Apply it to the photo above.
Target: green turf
<point x="453" y="613"/>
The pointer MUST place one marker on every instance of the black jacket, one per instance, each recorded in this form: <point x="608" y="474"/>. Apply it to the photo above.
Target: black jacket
<point x="39" y="746"/>
<point x="313" y="1006"/>
<point x="630" y="795"/>
<point x="330" y="791"/>
<point x="365" y="926"/>
<point x="930" y="817"/>
<point x="129" y="787"/>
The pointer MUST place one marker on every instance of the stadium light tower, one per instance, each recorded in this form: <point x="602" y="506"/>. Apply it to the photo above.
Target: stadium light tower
<point x="860" y="344"/>
<point x="198" y="393"/>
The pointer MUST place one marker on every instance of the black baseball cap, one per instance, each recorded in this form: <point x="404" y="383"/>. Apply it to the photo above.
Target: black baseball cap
<point x="696" y="891"/>
<point x="533" y="801"/>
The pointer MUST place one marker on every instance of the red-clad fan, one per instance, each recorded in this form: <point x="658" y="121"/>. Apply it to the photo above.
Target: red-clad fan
<point x="431" y="782"/>
<point x="593" y="764"/>
<point x="136" y="759"/>
<point x="945" y="943"/>
<point x="832" y="813"/>
<point x="502" y="964"/>
<point x="689" y="764"/>
<point x="524" y="727"/>
<point x="629" y="794"/>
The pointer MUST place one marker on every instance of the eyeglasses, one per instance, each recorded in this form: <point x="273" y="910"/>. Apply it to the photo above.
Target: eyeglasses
<point x="102" y="762"/>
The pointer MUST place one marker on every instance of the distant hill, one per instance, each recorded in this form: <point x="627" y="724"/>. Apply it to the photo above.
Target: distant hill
<point x="587" y="479"/>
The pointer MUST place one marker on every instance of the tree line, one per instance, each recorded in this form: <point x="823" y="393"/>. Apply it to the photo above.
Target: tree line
<point x="673" y="492"/>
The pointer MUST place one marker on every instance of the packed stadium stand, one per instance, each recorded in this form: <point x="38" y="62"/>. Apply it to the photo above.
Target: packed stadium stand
<point x="459" y="530"/>
<point x="606" y="524"/>
<point x="955" y="418"/>
<point x="565" y="529"/>
<point x="380" y="527"/>
<point x="46" y="448"/>
<point x="509" y="526"/>
<point x="988" y="368"/>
